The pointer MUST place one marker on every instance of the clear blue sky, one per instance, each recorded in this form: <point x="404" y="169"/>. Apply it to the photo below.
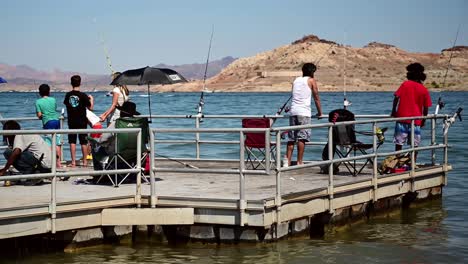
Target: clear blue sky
<point x="65" y="35"/>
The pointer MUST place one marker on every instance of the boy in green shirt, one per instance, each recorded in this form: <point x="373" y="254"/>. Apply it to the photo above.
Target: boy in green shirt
<point x="46" y="111"/>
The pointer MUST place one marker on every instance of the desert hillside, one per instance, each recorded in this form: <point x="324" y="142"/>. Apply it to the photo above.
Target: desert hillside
<point x="375" y="67"/>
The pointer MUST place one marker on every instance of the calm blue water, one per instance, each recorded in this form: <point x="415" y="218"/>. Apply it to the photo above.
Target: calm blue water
<point x="436" y="232"/>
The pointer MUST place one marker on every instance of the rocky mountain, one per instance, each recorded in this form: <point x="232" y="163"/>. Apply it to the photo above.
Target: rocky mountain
<point x="23" y="77"/>
<point x="376" y="66"/>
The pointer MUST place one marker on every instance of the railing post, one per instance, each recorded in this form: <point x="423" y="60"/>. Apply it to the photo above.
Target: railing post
<point x="278" y="200"/>
<point x="242" y="202"/>
<point x="330" y="169"/>
<point x="413" y="156"/>
<point x="267" y="151"/>
<point x="374" y="167"/>
<point x="152" y="181"/>
<point x="139" y="174"/>
<point x="197" y="136"/>
<point x="445" y="166"/>
<point x="53" y="193"/>
<point x="62" y="118"/>
<point x="433" y="140"/>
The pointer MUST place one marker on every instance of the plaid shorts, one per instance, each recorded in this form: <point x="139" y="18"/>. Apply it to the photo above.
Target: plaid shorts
<point x="403" y="134"/>
<point x="301" y="134"/>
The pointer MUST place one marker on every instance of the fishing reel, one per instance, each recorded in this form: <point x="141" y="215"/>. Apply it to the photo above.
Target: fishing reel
<point x="449" y="121"/>
<point x="346" y="103"/>
<point x="440" y="105"/>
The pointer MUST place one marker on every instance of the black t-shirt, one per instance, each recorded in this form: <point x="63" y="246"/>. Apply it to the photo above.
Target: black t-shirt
<point x="76" y="103"/>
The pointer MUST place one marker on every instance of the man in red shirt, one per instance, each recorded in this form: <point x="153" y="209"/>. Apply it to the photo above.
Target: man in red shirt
<point x="411" y="99"/>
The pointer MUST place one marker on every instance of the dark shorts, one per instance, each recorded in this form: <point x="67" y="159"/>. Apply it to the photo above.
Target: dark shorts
<point x="82" y="137"/>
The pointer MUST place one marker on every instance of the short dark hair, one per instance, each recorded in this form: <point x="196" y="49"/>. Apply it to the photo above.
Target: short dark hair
<point x="75" y="81"/>
<point x="415" y="72"/>
<point x="308" y="69"/>
<point x="44" y="90"/>
<point x="10" y="125"/>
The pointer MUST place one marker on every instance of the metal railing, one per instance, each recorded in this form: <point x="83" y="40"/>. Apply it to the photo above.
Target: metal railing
<point x="271" y="135"/>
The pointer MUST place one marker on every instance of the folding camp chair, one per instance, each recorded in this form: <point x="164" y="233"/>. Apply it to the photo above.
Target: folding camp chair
<point x="125" y="155"/>
<point x="255" y="143"/>
<point x="344" y="136"/>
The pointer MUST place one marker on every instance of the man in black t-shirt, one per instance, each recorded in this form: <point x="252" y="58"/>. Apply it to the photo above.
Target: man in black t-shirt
<point x="76" y="103"/>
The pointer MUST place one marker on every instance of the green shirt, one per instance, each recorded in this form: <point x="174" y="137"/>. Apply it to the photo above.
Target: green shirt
<point x="47" y="106"/>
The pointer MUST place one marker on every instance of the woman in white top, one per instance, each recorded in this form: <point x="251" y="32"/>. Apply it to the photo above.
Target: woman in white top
<point x="120" y="94"/>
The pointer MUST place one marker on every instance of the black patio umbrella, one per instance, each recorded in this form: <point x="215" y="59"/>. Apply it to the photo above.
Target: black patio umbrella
<point x="148" y="76"/>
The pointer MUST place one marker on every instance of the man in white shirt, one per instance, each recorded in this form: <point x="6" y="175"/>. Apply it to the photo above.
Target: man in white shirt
<point x="302" y="91"/>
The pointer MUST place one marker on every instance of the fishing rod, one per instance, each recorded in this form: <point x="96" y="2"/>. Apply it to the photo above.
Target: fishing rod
<point x="178" y="161"/>
<point x="450" y="120"/>
<point x="346" y="103"/>
<point x="440" y="103"/>
<point x="201" y="102"/>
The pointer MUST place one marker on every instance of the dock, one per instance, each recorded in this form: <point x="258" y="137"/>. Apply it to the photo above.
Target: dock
<point x="219" y="200"/>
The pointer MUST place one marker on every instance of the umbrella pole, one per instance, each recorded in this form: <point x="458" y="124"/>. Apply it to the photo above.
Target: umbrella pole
<point x="149" y="104"/>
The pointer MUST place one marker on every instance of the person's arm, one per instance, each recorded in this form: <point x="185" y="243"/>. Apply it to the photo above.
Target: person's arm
<point x="313" y="86"/>
<point x="425" y="112"/>
<point x="38" y="111"/>
<point x="91" y="102"/>
<point x="13" y="157"/>
<point x="396" y="100"/>
<point x="115" y="100"/>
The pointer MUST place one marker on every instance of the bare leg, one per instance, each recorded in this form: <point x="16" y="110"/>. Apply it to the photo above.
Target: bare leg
<point x="398" y="147"/>
<point x="59" y="151"/>
<point x="289" y="151"/>
<point x="73" y="154"/>
<point x="84" y="149"/>
<point x="300" y="151"/>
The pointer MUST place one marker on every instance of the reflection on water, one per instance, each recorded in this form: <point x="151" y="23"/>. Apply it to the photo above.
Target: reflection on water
<point x="433" y="232"/>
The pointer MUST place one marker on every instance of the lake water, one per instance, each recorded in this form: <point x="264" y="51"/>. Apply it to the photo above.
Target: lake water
<point x="433" y="232"/>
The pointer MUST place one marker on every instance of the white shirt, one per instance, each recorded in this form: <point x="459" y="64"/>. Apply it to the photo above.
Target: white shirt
<point x="122" y="98"/>
<point x="92" y="117"/>
<point x="36" y="145"/>
<point x="301" y="97"/>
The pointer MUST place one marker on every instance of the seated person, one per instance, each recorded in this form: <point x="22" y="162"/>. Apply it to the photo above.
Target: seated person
<point x="104" y="146"/>
<point x="29" y="153"/>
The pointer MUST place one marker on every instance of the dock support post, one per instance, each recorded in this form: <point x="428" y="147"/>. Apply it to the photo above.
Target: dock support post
<point x="433" y="140"/>
<point x="278" y="177"/>
<point x="242" y="202"/>
<point x="330" y="169"/>
<point x="374" y="167"/>
<point x="152" y="181"/>
<point x="445" y="166"/>
<point x="267" y="151"/>
<point x="413" y="157"/>
<point x="53" y="193"/>
<point x="139" y="174"/>
<point x="197" y="136"/>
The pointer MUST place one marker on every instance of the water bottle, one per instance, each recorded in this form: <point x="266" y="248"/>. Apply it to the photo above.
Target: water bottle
<point x="285" y="161"/>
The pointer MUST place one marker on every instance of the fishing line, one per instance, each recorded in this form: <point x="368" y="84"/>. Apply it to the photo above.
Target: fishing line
<point x="178" y="161"/>
<point x="201" y="102"/>
<point x="440" y="102"/>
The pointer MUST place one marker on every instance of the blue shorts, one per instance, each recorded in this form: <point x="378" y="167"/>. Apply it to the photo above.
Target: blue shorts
<point x="403" y="134"/>
<point x="302" y="134"/>
<point x="52" y="124"/>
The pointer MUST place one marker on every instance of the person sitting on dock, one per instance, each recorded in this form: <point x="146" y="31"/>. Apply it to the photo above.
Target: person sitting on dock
<point x="28" y="153"/>
<point x="411" y="99"/>
<point x="303" y="89"/>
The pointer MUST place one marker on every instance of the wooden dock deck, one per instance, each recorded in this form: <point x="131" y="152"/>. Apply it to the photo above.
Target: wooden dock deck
<point x="212" y="199"/>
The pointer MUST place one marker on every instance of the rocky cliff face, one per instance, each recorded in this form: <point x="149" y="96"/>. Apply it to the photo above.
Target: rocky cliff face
<point x="376" y="66"/>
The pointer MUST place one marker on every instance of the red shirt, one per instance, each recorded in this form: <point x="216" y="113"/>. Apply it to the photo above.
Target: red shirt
<point x="413" y="98"/>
